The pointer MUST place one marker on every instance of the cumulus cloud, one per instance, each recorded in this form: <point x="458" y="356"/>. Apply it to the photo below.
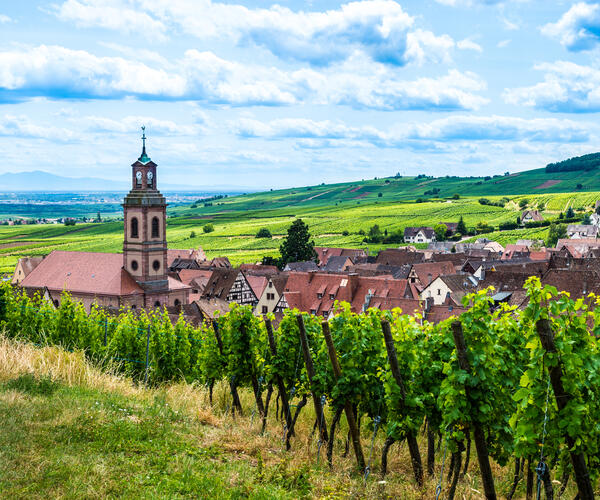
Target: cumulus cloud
<point x="567" y="88"/>
<point x="464" y="128"/>
<point x="111" y="14"/>
<point x="21" y="126"/>
<point x="379" y="28"/>
<point x="4" y="19"/>
<point x="578" y="28"/>
<point x="57" y="72"/>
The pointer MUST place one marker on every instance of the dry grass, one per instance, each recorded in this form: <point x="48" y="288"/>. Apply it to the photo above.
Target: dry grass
<point x="239" y="438"/>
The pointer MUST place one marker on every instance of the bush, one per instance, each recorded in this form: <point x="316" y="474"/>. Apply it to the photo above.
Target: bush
<point x="192" y="234"/>
<point x="379" y="195"/>
<point x="504" y="226"/>
<point x="263" y="232"/>
<point x="523" y="203"/>
<point x="456" y="196"/>
<point x="208" y="228"/>
<point x="345" y="232"/>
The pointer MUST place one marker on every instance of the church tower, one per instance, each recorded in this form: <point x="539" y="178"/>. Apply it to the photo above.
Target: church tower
<point x="145" y="239"/>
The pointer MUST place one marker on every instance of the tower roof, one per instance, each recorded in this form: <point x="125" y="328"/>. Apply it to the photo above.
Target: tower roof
<point x="144" y="158"/>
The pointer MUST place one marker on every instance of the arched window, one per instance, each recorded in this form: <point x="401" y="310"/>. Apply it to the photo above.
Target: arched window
<point x="155" y="227"/>
<point x="177" y="302"/>
<point x="157" y="304"/>
<point x="134" y="228"/>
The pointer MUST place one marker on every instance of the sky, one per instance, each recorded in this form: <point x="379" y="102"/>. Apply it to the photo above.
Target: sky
<point x="264" y="95"/>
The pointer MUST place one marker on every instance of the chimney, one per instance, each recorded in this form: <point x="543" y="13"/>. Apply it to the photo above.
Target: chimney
<point x="311" y="275"/>
<point x="353" y="282"/>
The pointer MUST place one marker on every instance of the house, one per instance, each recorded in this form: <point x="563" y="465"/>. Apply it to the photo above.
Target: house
<point x="578" y="231"/>
<point x="531" y="216"/>
<point x="230" y="285"/>
<point x="325" y="253"/>
<point x="337" y="264"/>
<point x="449" y="289"/>
<point x="451" y="227"/>
<point x="24" y="266"/>
<point x="577" y="247"/>
<point x="268" y="300"/>
<point x="196" y="279"/>
<point x="424" y="273"/>
<point x="419" y="234"/>
<point x="399" y="256"/>
<point x="185" y="259"/>
<point x="317" y="292"/>
<point x="303" y="266"/>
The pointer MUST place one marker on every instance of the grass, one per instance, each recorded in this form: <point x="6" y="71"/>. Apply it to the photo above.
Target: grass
<point x="69" y="430"/>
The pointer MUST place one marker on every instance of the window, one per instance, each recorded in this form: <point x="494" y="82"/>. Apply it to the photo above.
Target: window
<point x="313" y="311"/>
<point x="270" y="284"/>
<point x="325" y="313"/>
<point x="134" y="265"/>
<point x="134" y="306"/>
<point x="157" y="303"/>
<point x="155" y="227"/>
<point x="177" y="302"/>
<point x="56" y="304"/>
<point x="319" y="295"/>
<point x="134" y="228"/>
<point x="156" y="265"/>
<point x="265" y="309"/>
<point x="331" y="296"/>
<point x="270" y="296"/>
<point x="439" y="292"/>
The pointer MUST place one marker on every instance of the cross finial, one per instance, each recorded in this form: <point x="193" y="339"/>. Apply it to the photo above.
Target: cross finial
<point x="144" y="157"/>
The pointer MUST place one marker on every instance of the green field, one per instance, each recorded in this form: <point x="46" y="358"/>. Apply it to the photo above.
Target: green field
<point x="329" y="210"/>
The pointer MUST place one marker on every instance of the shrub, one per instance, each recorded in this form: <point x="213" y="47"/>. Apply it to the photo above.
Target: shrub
<point x="263" y="232"/>
<point x="208" y="228"/>
<point x="456" y="196"/>
<point x="192" y="234"/>
<point x="379" y="195"/>
<point x="345" y="232"/>
<point x="523" y="203"/>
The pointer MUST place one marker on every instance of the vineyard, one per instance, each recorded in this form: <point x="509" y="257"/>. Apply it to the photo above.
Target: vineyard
<point x="516" y="387"/>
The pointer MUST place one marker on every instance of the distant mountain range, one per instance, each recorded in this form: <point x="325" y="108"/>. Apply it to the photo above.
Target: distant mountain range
<point x="44" y="181"/>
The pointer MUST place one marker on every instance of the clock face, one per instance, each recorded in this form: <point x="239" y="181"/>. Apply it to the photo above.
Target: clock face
<point x="150" y="176"/>
<point x="138" y="175"/>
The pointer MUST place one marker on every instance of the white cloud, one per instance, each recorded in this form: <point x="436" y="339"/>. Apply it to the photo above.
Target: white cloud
<point x="4" y="19"/>
<point x="467" y="44"/>
<point x="503" y="43"/>
<point x="567" y="88"/>
<point x="21" y="126"/>
<point x="578" y="28"/>
<point x="60" y="73"/>
<point x="380" y="28"/>
<point x="130" y="124"/>
<point x="463" y="128"/>
<point x="111" y="14"/>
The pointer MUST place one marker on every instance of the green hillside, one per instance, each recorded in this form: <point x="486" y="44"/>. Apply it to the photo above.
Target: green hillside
<point x="337" y="214"/>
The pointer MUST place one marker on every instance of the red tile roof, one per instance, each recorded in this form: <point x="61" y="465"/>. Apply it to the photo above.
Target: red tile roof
<point x="83" y="272"/>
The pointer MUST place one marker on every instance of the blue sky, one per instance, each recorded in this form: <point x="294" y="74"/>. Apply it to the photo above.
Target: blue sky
<point x="261" y="94"/>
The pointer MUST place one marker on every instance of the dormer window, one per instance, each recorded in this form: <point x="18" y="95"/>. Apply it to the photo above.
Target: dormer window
<point x="319" y="295"/>
<point x="331" y="296"/>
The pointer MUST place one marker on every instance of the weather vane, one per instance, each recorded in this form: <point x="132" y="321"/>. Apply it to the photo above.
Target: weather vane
<point x="144" y="135"/>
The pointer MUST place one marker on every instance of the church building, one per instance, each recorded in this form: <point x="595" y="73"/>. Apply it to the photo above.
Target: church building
<point x="139" y="277"/>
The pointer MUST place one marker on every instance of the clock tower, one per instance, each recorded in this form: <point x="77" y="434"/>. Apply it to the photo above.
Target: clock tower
<point x="145" y="240"/>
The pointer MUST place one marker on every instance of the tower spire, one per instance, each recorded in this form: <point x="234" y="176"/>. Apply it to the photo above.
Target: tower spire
<point x="144" y="158"/>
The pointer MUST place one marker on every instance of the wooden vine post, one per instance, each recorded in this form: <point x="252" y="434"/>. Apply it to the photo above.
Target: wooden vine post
<point x="310" y="371"/>
<point x="582" y="477"/>
<point x="232" y="385"/>
<point x="280" y="384"/>
<point x="254" y="380"/>
<point x="411" y="439"/>
<point x="478" y="434"/>
<point x="337" y="372"/>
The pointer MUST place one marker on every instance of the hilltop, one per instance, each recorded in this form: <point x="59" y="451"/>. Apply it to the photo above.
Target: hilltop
<point x="404" y="189"/>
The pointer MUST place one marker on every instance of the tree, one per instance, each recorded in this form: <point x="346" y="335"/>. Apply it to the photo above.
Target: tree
<point x="374" y="235"/>
<point x="570" y="213"/>
<point x="523" y="203"/>
<point x="579" y="186"/>
<point x="208" y="228"/>
<point x="440" y="231"/>
<point x="297" y="246"/>
<point x="264" y="232"/>
<point x="586" y="220"/>
<point x="461" y="227"/>
<point x="561" y="216"/>
<point x="268" y="260"/>
<point x="456" y="196"/>
<point x="598" y="209"/>
<point x="99" y="217"/>
<point x="379" y="195"/>
<point x="192" y="234"/>
<point x="555" y="233"/>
